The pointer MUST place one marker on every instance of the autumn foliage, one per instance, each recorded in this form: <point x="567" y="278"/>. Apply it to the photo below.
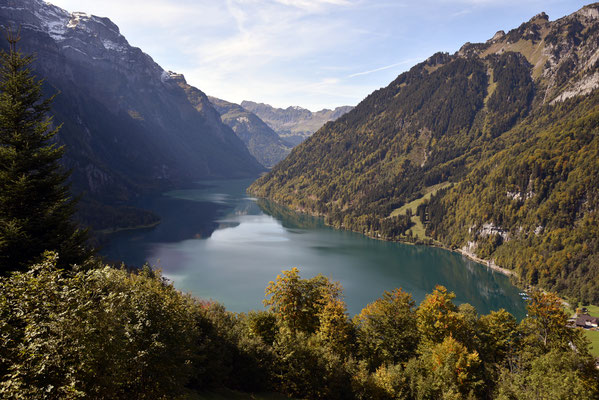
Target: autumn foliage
<point x="101" y="332"/>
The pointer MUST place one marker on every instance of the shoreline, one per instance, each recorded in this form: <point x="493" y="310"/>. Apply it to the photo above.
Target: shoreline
<point x="488" y="263"/>
<point x="433" y="243"/>
<point x="109" y="231"/>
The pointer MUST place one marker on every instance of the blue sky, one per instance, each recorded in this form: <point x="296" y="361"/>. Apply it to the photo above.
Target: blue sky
<point x="311" y="53"/>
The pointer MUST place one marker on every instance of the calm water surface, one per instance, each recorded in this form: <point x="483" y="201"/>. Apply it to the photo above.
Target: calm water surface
<point x="217" y="243"/>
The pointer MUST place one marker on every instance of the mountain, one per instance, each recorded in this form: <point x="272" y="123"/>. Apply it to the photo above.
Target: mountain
<point x="128" y="125"/>
<point x="294" y="124"/>
<point x="492" y="151"/>
<point x="262" y="142"/>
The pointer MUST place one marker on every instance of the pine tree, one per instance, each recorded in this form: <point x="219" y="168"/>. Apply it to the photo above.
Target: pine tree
<point x="36" y="209"/>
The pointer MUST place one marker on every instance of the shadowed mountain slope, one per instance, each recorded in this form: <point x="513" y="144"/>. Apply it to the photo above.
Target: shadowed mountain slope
<point x="129" y="126"/>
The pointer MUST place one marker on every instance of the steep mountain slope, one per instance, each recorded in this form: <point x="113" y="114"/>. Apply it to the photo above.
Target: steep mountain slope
<point x="494" y="145"/>
<point x="294" y="124"/>
<point x="262" y="142"/>
<point x="128" y="125"/>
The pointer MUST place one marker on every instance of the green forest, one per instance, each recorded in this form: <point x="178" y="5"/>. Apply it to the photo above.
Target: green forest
<point x="542" y="189"/>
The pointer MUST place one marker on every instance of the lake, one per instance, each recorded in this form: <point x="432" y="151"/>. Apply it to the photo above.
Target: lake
<point x="217" y="243"/>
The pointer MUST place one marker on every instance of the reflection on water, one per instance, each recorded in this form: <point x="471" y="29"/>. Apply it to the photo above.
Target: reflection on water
<point x="287" y="217"/>
<point x="218" y="243"/>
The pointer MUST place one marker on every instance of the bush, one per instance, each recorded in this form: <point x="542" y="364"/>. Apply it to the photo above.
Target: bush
<point x="102" y="333"/>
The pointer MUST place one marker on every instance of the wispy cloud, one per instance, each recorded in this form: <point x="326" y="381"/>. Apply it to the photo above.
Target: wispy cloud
<point x="460" y="13"/>
<point x="281" y="35"/>
<point x="157" y="13"/>
<point x="487" y="2"/>
<point x="397" y="64"/>
<point x="314" y="5"/>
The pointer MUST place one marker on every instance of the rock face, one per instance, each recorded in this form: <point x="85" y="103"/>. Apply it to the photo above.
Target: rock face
<point x="128" y="124"/>
<point x="294" y="124"/>
<point x="262" y="142"/>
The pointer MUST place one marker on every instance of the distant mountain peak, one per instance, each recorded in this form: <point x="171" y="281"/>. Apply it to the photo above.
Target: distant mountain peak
<point x="294" y="124"/>
<point x="262" y="142"/>
<point x="540" y="16"/>
<point x="173" y="76"/>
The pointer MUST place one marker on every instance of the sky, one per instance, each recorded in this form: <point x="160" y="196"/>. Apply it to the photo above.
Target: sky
<point x="310" y="53"/>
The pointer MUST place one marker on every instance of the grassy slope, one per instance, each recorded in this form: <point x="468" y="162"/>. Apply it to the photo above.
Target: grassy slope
<point x="593" y="336"/>
<point x="418" y="230"/>
<point x="593" y="310"/>
<point x="413" y="205"/>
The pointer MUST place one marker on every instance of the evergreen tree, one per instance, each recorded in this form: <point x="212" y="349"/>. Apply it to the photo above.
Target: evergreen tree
<point x="35" y="206"/>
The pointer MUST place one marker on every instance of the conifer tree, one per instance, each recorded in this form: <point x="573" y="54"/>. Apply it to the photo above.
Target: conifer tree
<point x="36" y="209"/>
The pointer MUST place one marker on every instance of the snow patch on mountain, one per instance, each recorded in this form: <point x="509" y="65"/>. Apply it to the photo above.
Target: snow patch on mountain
<point x="110" y="45"/>
<point x="66" y="27"/>
<point x="74" y="49"/>
<point x="165" y="76"/>
<point x="74" y="21"/>
<point x="53" y="20"/>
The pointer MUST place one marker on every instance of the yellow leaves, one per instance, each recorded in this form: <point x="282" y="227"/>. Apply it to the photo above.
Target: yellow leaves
<point x="438" y="316"/>
<point x="546" y="321"/>
<point x="297" y="301"/>
<point x="335" y="328"/>
<point x="453" y="367"/>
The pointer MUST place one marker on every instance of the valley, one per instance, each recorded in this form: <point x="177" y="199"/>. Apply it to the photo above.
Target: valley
<point x="438" y="240"/>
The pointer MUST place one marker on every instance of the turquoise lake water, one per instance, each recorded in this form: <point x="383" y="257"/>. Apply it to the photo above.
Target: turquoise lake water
<point x="217" y="243"/>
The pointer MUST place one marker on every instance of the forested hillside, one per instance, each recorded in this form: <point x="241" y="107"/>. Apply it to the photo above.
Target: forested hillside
<point x="500" y="138"/>
<point x="72" y="327"/>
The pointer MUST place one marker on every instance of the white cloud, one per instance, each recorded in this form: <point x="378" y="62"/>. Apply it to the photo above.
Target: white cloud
<point x="271" y="42"/>
<point x="280" y="91"/>
<point x="488" y="2"/>
<point x="410" y="61"/>
<point x="460" y="13"/>
<point x="314" y="5"/>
